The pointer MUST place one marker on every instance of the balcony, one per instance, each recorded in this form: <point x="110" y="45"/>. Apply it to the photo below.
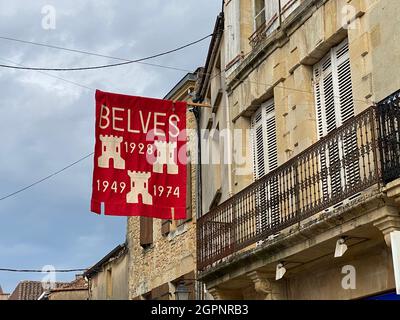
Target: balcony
<point x="263" y="31"/>
<point x="363" y="153"/>
<point x="273" y="20"/>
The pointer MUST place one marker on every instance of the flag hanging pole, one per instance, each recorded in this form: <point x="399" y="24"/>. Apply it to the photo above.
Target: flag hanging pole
<point x="195" y="104"/>
<point x="201" y="105"/>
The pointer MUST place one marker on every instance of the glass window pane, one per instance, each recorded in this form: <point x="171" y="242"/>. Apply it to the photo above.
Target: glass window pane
<point x="258" y="6"/>
<point x="260" y="19"/>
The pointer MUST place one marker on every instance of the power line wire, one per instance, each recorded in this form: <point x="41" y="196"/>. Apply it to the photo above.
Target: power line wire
<point x="40" y="271"/>
<point x="54" y="76"/>
<point x="23" y="67"/>
<point x="107" y="65"/>
<point x="46" y="178"/>
<point x="91" y="53"/>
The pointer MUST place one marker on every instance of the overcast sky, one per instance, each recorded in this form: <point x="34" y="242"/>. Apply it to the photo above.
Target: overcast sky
<point x="47" y="123"/>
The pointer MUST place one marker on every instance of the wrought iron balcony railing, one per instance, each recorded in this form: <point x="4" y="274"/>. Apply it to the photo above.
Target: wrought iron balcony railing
<point x="285" y="8"/>
<point x="365" y="151"/>
<point x="262" y="32"/>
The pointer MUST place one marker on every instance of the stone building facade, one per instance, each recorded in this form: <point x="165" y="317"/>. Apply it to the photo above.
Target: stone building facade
<point x="304" y="160"/>
<point x="162" y="253"/>
<point x="108" y="278"/>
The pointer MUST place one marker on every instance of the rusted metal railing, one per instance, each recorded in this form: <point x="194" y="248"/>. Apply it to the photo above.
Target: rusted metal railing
<point x="326" y="175"/>
<point x="262" y="32"/>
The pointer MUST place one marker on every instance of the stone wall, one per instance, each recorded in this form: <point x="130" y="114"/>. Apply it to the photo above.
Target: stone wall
<point x="119" y="281"/>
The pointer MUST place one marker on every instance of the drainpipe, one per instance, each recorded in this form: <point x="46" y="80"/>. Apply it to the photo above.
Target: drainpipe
<point x="229" y="145"/>
<point x="196" y="112"/>
<point x="280" y="13"/>
<point x="199" y="204"/>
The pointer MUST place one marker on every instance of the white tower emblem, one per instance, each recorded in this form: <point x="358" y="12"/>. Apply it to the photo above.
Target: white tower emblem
<point x="111" y="149"/>
<point x="165" y="156"/>
<point x="139" y="185"/>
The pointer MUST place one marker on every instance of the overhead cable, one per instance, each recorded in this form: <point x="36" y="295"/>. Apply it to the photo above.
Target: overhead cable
<point x="105" y="65"/>
<point x="46" y="178"/>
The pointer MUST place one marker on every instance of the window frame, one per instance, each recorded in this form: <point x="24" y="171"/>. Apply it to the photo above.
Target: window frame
<point x="256" y="15"/>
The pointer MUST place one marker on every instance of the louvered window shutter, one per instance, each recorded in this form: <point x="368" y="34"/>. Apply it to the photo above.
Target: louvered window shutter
<point x="265" y="151"/>
<point x="335" y="105"/>
<point x="333" y="90"/>
<point x="272" y="190"/>
<point x="346" y="104"/>
<point x="270" y="134"/>
<point x="258" y="144"/>
<point x="265" y="160"/>
<point x="345" y="90"/>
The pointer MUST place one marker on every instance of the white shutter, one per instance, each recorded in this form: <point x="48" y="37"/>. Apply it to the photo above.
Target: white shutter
<point x="333" y="90"/>
<point x="265" y="160"/>
<point x="232" y="30"/>
<point x="265" y="151"/>
<point x="272" y="215"/>
<point x="270" y="133"/>
<point x="334" y="105"/>
<point x="345" y="90"/>
<point x="346" y="105"/>
<point x="258" y="144"/>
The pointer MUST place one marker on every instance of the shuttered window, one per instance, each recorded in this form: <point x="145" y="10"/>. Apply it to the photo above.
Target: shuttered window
<point x="146" y="231"/>
<point x="265" y="155"/>
<point x="334" y="106"/>
<point x="264" y="139"/>
<point x="333" y="90"/>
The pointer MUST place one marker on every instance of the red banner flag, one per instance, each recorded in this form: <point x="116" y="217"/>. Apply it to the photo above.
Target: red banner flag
<point x="140" y="157"/>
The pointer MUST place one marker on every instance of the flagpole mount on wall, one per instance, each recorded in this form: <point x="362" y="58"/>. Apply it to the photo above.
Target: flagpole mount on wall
<point x="195" y="104"/>
<point x="201" y="105"/>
